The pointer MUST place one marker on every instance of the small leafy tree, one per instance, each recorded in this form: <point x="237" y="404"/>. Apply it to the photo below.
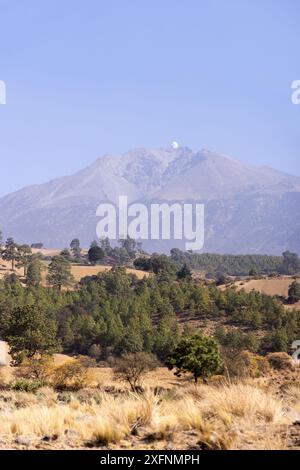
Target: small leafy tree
<point x="60" y="273"/>
<point x="197" y="354"/>
<point x="133" y="367"/>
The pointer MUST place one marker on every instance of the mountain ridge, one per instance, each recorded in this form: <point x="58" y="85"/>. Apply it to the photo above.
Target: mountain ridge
<point x="232" y="191"/>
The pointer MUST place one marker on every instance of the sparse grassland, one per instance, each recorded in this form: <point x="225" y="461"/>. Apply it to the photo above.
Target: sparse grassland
<point x="171" y="413"/>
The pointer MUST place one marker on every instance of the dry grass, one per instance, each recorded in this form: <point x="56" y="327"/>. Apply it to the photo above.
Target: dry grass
<point x="233" y="416"/>
<point x="277" y="286"/>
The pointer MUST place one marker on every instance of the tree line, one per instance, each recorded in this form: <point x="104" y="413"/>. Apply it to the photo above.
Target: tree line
<point x="114" y="313"/>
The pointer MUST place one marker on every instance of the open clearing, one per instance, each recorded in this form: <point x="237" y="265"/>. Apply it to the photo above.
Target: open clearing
<point x="277" y="286"/>
<point x="78" y="271"/>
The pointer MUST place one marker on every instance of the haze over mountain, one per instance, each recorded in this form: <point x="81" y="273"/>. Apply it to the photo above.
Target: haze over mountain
<point x="247" y="209"/>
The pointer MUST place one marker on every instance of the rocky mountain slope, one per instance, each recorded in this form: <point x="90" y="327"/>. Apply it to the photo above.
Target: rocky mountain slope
<point x="247" y="209"/>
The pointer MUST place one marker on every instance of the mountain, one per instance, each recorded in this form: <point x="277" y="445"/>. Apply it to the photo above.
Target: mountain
<point x="247" y="209"/>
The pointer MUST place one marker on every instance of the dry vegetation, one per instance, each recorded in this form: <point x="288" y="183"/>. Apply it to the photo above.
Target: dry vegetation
<point x="277" y="286"/>
<point x="87" y="408"/>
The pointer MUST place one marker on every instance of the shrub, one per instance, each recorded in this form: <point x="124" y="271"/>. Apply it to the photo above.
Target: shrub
<point x="280" y="361"/>
<point x="38" y="368"/>
<point x="245" y="364"/>
<point x="24" y="385"/>
<point x="73" y="375"/>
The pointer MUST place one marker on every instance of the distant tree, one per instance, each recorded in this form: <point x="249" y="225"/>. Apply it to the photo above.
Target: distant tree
<point x="158" y="264"/>
<point x="120" y="256"/>
<point x="143" y="263"/>
<point x="294" y="292"/>
<point x="184" y="273"/>
<point x="29" y="331"/>
<point x="37" y="246"/>
<point x="130" y="245"/>
<point x="196" y="354"/>
<point x="290" y="263"/>
<point x="34" y="273"/>
<point x="12" y="280"/>
<point x="253" y="272"/>
<point x="166" y="336"/>
<point x="65" y="253"/>
<point x="75" y="248"/>
<point x="105" y="245"/>
<point x="10" y="252"/>
<point x="221" y="279"/>
<point x="95" y="351"/>
<point x="24" y="256"/>
<point x="60" y="273"/>
<point x="133" y="367"/>
<point x="95" y="254"/>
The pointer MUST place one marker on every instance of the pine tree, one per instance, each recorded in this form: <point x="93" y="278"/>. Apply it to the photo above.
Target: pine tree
<point x="10" y="252"/>
<point x="24" y="256"/>
<point x="34" y="273"/>
<point x="60" y="273"/>
<point x="29" y="331"/>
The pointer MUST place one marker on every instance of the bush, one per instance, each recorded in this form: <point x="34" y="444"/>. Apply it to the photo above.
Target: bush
<point x="38" y="368"/>
<point x="280" y="361"/>
<point x="244" y="364"/>
<point x="73" y="375"/>
<point x="24" y="385"/>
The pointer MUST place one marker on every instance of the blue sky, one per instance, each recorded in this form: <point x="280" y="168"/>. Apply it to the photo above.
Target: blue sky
<point x="88" y="77"/>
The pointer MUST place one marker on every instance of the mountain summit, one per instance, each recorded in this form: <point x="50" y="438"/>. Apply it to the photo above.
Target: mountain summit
<point x="247" y="209"/>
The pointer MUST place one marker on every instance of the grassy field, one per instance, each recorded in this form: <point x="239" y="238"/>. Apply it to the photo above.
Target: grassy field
<point x="277" y="286"/>
<point x="78" y="271"/>
<point x="248" y="414"/>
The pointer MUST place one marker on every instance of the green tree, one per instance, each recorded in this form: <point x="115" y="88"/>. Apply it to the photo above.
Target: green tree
<point x="294" y="292"/>
<point x="24" y="256"/>
<point x="65" y="253"/>
<point x="290" y="263"/>
<point x="29" y="331"/>
<point x="166" y="336"/>
<point x="196" y="354"/>
<point x="59" y="273"/>
<point x="34" y="273"/>
<point x="184" y="273"/>
<point x="10" y="252"/>
<point x="75" y="248"/>
<point x="95" y="254"/>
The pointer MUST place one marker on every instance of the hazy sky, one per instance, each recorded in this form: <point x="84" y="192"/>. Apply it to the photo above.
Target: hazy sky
<point x="88" y="77"/>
